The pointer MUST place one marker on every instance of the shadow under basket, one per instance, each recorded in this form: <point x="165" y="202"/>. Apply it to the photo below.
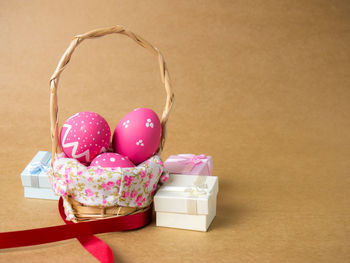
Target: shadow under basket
<point x="94" y="211"/>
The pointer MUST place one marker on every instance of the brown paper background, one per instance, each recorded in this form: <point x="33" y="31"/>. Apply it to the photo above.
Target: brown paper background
<point x="262" y="86"/>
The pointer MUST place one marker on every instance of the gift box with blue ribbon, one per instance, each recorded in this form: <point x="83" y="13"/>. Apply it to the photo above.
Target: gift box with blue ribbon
<point x="186" y="202"/>
<point x="35" y="180"/>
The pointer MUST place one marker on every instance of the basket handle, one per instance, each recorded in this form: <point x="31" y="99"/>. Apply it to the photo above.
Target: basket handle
<point x="66" y="58"/>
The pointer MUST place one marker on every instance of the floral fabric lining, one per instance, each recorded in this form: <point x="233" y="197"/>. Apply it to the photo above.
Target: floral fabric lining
<point x="97" y="186"/>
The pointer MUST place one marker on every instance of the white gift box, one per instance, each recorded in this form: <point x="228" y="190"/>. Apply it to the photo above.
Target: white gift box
<point x="186" y="202"/>
<point x="40" y="193"/>
<point x="34" y="177"/>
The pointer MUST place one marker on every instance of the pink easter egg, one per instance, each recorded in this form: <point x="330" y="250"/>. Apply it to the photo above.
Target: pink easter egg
<point x="137" y="135"/>
<point x="84" y="136"/>
<point x="111" y="160"/>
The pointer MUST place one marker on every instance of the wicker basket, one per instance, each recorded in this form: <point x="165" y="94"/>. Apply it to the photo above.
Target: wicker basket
<point x="81" y="211"/>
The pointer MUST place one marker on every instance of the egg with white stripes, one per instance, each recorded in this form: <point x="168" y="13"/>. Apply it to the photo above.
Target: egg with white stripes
<point x="111" y="160"/>
<point x="84" y="136"/>
<point x="137" y="135"/>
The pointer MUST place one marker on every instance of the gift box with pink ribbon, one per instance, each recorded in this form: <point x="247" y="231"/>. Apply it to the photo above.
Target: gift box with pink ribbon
<point x="189" y="164"/>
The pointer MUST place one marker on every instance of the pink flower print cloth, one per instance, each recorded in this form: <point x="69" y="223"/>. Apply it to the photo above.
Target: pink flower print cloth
<point x="98" y="186"/>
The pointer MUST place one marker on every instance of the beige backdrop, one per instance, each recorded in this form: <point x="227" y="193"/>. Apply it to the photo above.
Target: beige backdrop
<point x="262" y="86"/>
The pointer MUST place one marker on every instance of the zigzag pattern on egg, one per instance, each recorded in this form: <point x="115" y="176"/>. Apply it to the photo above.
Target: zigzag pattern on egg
<point x="74" y="144"/>
<point x="84" y="136"/>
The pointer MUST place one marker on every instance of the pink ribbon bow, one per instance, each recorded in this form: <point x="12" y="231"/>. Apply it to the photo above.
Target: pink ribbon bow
<point x="189" y="164"/>
<point x="192" y="161"/>
<point x="195" y="160"/>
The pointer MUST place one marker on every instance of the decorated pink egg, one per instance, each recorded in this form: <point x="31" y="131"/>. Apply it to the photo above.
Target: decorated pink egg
<point x="137" y="135"/>
<point x="111" y="160"/>
<point x="84" y="136"/>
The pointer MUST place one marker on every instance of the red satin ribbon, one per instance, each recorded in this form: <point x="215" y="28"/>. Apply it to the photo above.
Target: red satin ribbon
<point x="92" y="244"/>
<point x="83" y="231"/>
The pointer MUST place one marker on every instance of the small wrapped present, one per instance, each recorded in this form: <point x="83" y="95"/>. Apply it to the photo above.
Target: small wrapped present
<point x="35" y="179"/>
<point x="40" y="193"/>
<point x="187" y="202"/>
<point x="189" y="164"/>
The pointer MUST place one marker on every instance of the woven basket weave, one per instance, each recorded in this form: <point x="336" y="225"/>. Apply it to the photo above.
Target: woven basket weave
<point x="83" y="212"/>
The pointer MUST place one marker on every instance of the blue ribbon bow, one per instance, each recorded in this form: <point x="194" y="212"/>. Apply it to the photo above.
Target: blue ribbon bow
<point x="37" y="167"/>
